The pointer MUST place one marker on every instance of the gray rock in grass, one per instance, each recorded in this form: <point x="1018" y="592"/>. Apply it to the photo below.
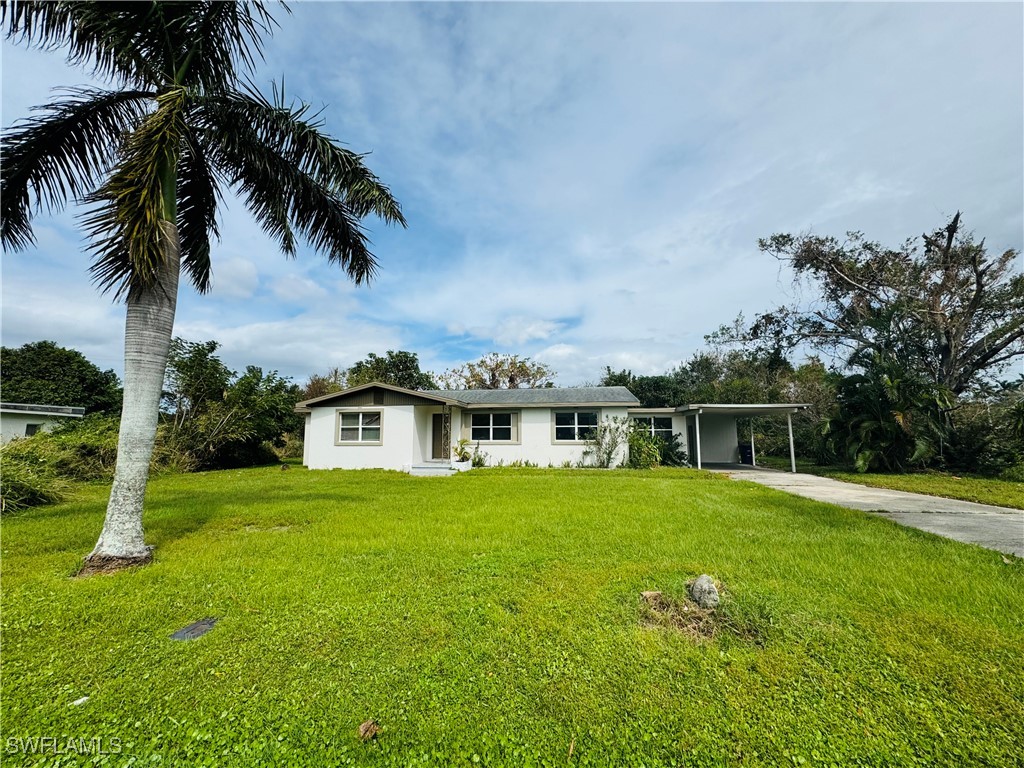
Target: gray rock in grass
<point x="703" y="592"/>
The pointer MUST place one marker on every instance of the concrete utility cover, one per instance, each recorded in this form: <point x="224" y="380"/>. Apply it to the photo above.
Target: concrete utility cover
<point x="998" y="528"/>
<point x="197" y="629"/>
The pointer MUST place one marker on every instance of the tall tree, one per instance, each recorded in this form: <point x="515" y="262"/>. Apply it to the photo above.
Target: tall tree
<point x="942" y="304"/>
<point x="497" y="371"/>
<point x="399" y="368"/>
<point x="42" y="372"/>
<point x="320" y="384"/>
<point x="152" y="155"/>
<point x="194" y="377"/>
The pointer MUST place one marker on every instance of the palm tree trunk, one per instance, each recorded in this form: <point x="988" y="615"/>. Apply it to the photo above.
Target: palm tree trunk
<point x="149" y="323"/>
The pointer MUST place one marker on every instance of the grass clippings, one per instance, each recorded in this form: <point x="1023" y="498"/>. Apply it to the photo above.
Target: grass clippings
<point x="698" y="624"/>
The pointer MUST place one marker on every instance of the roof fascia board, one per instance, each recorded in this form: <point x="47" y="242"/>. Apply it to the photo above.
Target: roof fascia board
<point x="323" y="398"/>
<point x="555" y="406"/>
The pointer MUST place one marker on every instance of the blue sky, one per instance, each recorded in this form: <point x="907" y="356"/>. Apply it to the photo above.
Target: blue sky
<point x="584" y="183"/>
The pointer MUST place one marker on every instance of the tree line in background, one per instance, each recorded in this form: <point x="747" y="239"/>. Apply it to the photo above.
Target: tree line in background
<point x="402" y="369"/>
<point x="925" y="329"/>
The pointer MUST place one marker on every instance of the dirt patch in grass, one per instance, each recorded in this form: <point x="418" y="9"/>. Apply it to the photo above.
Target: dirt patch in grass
<point x="95" y="565"/>
<point x="661" y="611"/>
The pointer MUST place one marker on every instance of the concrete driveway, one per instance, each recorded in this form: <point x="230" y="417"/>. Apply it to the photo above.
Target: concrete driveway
<point x="998" y="528"/>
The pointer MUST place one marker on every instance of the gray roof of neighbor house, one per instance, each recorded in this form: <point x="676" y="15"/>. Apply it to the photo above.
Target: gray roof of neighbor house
<point x="73" y="411"/>
<point x="549" y="396"/>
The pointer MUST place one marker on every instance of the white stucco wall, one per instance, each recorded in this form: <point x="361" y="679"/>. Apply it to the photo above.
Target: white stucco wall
<point x="536" y="439"/>
<point x="13" y="425"/>
<point x="399" y="445"/>
<point x="407" y="438"/>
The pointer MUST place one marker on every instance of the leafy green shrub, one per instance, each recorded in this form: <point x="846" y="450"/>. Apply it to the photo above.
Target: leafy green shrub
<point x="460" y="451"/>
<point x="24" y="483"/>
<point x="291" y="447"/>
<point x="644" y="448"/>
<point x="986" y="435"/>
<point x="672" y="453"/>
<point x="1014" y="474"/>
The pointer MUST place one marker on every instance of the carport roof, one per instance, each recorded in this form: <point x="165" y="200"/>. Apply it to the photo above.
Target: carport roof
<point x="742" y="409"/>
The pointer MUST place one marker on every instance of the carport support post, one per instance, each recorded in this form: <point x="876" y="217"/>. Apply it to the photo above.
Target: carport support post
<point x="792" y="452"/>
<point x="696" y="421"/>
<point x="753" y="457"/>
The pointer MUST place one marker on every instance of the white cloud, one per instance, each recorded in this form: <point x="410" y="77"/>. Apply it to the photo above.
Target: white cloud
<point x="235" y="279"/>
<point x="587" y="182"/>
<point x="293" y="288"/>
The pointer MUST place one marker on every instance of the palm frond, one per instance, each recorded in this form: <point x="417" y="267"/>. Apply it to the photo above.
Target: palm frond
<point x="197" y="212"/>
<point x="216" y="36"/>
<point x="295" y="134"/>
<point x="293" y="176"/>
<point x="125" y="225"/>
<point x="61" y="154"/>
<point x="280" y="197"/>
<point x="113" y="39"/>
<point x="154" y="43"/>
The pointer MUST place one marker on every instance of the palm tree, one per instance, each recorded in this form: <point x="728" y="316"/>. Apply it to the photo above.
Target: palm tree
<point x="152" y="157"/>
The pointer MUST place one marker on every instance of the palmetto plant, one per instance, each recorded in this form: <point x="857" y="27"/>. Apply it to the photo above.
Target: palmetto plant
<point x="890" y="417"/>
<point x="151" y="157"/>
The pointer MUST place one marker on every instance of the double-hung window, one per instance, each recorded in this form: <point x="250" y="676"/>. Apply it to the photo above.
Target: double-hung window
<point x="359" y="427"/>
<point x="492" y="427"/>
<point x="659" y="426"/>
<point x="575" y="426"/>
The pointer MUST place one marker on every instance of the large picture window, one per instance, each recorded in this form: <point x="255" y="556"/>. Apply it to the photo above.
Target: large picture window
<point x="492" y="427"/>
<point x="359" y="427"/>
<point x="659" y="426"/>
<point x="575" y="426"/>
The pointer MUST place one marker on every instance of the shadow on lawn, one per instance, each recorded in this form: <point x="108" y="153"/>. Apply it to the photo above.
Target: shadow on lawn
<point x="176" y="515"/>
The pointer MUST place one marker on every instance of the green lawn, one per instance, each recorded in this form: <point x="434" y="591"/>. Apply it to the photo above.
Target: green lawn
<point x="494" y="619"/>
<point x="985" y="490"/>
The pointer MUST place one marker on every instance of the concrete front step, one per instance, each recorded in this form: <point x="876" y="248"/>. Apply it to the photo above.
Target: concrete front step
<point x="438" y="469"/>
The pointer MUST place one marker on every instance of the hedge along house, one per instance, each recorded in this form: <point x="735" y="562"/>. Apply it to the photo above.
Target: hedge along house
<point x="386" y="427"/>
<point x="25" y="419"/>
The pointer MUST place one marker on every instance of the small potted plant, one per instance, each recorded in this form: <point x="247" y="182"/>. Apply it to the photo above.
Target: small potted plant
<point x="463" y="458"/>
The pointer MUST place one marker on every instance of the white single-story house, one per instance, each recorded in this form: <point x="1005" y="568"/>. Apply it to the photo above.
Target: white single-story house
<point x="387" y="427"/>
<point x="24" y="420"/>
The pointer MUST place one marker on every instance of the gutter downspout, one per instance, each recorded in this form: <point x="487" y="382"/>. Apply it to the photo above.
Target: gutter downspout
<point x="753" y="456"/>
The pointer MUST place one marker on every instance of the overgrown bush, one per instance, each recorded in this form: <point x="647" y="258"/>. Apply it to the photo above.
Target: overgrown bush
<point x="672" y="453"/>
<point x="606" y="442"/>
<point x="81" y="450"/>
<point x="1013" y="474"/>
<point x="644" y="448"/>
<point x="291" y="446"/>
<point x="24" y="483"/>
<point x="86" y="450"/>
<point x="986" y="434"/>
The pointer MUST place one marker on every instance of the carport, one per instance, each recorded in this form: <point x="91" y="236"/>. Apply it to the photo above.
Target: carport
<point x="721" y="442"/>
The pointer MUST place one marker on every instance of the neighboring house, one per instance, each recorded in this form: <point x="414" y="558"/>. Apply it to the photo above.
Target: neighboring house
<point x="24" y="420"/>
<point x="387" y="427"/>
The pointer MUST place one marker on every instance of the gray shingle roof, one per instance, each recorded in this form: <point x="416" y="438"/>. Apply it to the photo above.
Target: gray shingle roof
<point x="540" y="397"/>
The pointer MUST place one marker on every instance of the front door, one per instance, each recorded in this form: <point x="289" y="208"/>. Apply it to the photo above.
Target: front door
<point x="439" y="449"/>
